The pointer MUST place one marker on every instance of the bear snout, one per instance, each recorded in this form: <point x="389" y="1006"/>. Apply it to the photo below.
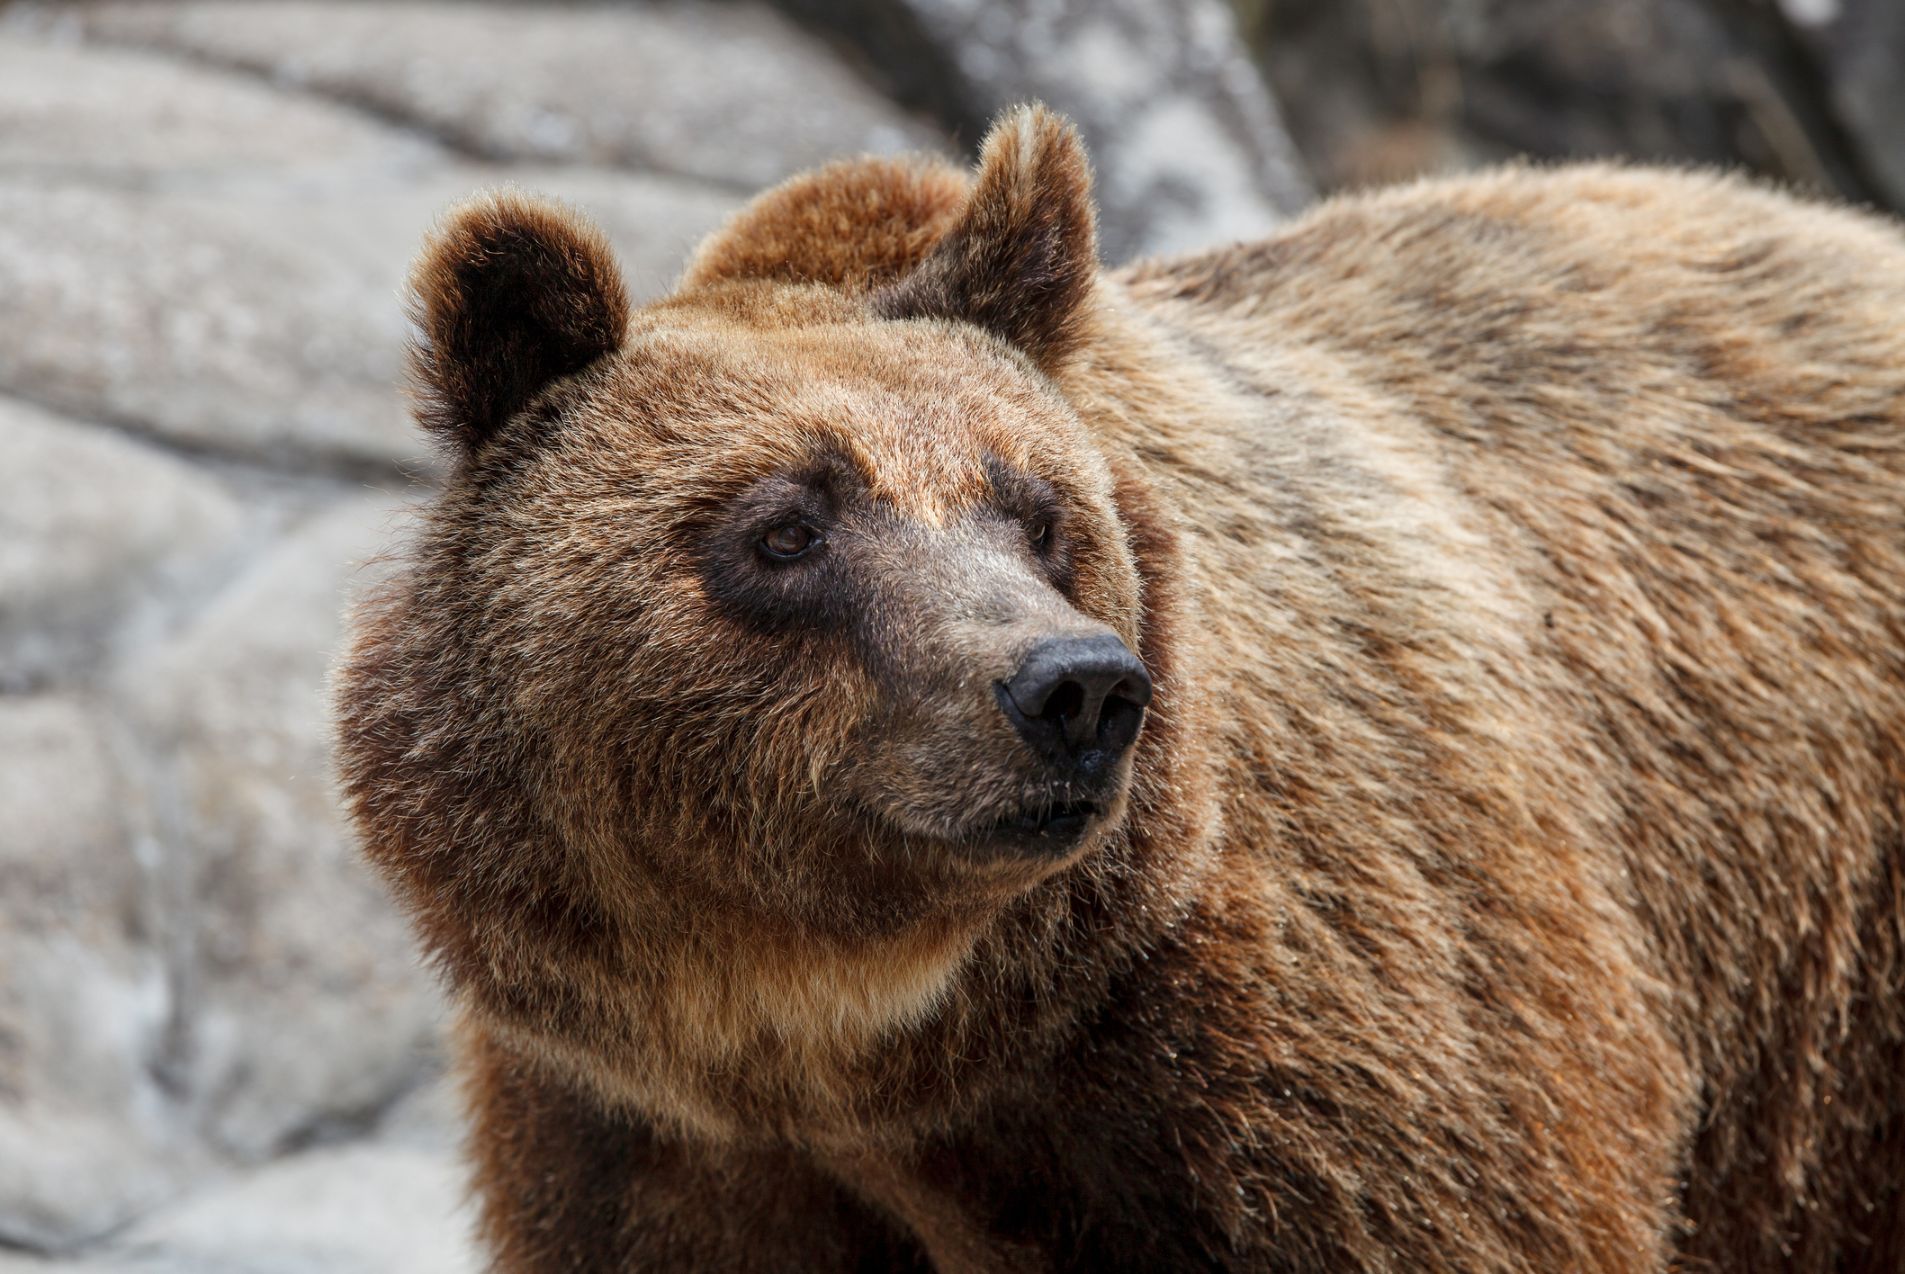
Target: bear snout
<point x="1077" y="702"/>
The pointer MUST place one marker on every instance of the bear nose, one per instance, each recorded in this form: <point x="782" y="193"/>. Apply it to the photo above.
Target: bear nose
<point x="1077" y="699"/>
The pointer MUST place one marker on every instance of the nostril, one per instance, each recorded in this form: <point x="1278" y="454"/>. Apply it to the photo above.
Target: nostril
<point x="1134" y="688"/>
<point x="1118" y="723"/>
<point x="1067" y="702"/>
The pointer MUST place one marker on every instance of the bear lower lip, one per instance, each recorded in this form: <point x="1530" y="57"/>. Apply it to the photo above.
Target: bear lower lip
<point x="1062" y="820"/>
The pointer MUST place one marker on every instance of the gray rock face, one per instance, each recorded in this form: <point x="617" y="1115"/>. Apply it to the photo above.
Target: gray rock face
<point x="724" y="93"/>
<point x="1859" y="47"/>
<point x="1804" y="91"/>
<point x="297" y="1000"/>
<point x="1186" y="140"/>
<point x="265" y="324"/>
<point x="198" y="968"/>
<point x="94" y="528"/>
<point x="389" y="1204"/>
<point x="63" y="116"/>
<point x="228" y="280"/>
<point x="214" y="321"/>
<point x="367" y="1209"/>
<point x="85" y="1140"/>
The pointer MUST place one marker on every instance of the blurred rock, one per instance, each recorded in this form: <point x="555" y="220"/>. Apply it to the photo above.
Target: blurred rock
<point x="1859" y="52"/>
<point x="1805" y="91"/>
<point x="91" y="526"/>
<point x="214" y="321"/>
<point x="1187" y="143"/>
<point x="373" y="1208"/>
<point x="427" y="1118"/>
<point x="65" y="113"/>
<point x="85" y="1138"/>
<point x="722" y="92"/>
<point x="299" y="1003"/>
<point x="266" y="324"/>
<point x="366" y="1209"/>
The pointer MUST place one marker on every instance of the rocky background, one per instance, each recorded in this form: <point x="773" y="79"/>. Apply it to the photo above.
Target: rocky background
<point x="217" y="1053"/>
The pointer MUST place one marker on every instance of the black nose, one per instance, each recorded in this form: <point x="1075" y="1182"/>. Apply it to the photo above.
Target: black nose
<point x="1078" y="699"/>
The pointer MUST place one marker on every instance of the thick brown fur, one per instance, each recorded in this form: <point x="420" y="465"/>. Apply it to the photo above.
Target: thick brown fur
<point x="1508" y="875"/>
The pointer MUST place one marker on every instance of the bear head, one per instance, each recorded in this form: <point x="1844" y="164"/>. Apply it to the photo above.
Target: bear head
<point x="769" y="643"/>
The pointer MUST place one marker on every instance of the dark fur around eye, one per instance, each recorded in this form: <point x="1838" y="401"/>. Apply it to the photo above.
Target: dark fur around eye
<point x="1039" y="509"/>
<point x="765" y="556"/>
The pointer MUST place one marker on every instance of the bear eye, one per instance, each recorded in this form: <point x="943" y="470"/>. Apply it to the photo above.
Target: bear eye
<point x="789" y="540"/>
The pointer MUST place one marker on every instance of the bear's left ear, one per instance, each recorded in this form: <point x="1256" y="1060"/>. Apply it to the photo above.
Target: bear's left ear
<point x="1021" y="260"/>
<point x="509" y="294"/>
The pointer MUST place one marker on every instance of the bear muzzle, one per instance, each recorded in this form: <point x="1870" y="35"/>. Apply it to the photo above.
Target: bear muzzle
<point x="1077" y="702"/>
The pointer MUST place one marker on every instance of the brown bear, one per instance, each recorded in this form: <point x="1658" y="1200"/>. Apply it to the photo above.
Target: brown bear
<point x="1381" y="748"/>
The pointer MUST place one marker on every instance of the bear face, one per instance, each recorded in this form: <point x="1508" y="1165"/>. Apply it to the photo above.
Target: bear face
<point x="810" y="560"/>
<point x="769" y="643"/>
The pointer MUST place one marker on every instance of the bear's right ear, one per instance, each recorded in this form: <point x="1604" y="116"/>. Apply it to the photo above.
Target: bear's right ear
<point x="509" y="294"/>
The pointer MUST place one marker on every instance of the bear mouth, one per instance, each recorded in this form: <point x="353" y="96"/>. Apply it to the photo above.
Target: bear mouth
<point x="1051" y="821"/>
<point x="1048" y="826"/>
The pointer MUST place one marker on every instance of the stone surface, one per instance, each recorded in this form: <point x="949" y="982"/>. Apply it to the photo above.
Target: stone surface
<point x="63" y="116"/>
<point x="299" y="1002"/>
<point x="731" y="93"/>
<point x="1859" y="52"/>
<point x="1807" y="92"/>
<point x="85" y="1139"/>
<point x="366" y="1209"/>
<point x="93" y="527"/>
<point x="264" y="324"/>
<point x="214" y="321"/>
<point x="379" y="1207"/>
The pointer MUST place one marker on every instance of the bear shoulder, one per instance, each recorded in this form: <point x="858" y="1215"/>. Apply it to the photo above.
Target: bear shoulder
<point x="1605" y="220"/>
